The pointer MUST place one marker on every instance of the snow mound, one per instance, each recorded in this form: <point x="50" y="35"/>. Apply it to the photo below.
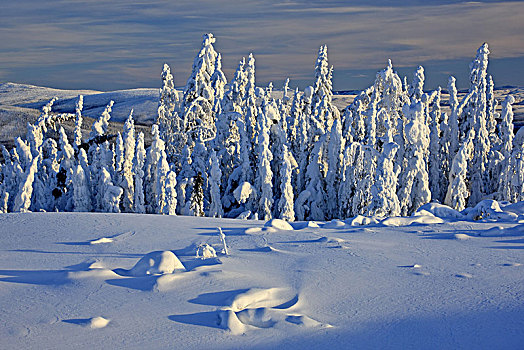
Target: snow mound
<point x="259" y="308"/>
<point x="489" y="209"/>
<point x="500" y="231"/>
<point x="98" y="322"/>
<point x="461" y="236"/>
<point x="334" y="224"/>
<point x="424" y="217"/>
<point x="279" y="224"/>
<point x="253" y="230"/>
<point x="515" y="208"/>
<point x="157" y="263"/>
<point x="441" y="211"/>
<point x="361" y="220"/>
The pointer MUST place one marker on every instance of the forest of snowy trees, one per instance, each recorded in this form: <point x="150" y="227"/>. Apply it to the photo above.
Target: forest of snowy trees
<point x="231" y="149"/>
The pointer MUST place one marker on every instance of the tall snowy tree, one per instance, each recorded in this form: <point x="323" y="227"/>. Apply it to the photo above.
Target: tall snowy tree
<point x="126" y="175"/>
<point x="285" y="203"/>
<point x="215" y="206"/>
<point x="78" y="122"/>
<point x="138" y="169"/>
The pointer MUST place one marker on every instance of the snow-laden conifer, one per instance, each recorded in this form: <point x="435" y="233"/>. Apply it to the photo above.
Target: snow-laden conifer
<point x="110" y="194"/>
<point x="138" y="169"/>
<point x="285" y="203"/>
<point x="384" y="197"/>
<point x="215" y="175"/>
<point x="414" y="190"/>
<point x="78" y="122"/>
<point x="126" y="173"/>
<point x="25" y="191"/>
<point x="154" y="154"/>
<point x="81" y="193"/>
<point x="100" y="125"/>
<point x="458" y="192"/>
<point x="265" y="175"/>
<point x="335" y="149"/>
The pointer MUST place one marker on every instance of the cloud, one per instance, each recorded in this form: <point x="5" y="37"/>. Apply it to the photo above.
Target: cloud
<point x="117" y="44"/>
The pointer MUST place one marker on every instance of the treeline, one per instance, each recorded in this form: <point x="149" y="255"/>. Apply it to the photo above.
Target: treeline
<point x="235" y="150"/>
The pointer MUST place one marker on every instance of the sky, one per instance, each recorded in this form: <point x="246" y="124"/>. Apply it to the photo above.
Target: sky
<point x="120" y="44"/>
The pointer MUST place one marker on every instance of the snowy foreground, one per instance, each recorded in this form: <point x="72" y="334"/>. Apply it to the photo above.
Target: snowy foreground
<point x="78" y="281"/>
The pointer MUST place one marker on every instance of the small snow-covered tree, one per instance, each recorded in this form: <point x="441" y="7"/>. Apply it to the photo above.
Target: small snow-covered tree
<point x="197" y="196"/>
<point x="100" y="125"/>
<point x="285" y="204"/>
<point x="335" y="149"/>
<point x="384" y="198"/>
<point x="23" y="197"/>
<point x="415" y="180"/>
<point x="265" y="175"/>
<point x="126" y="173"/>
<point x="162" y="171"/>
<point x="215" y="206"/>
<point x="458" y="192"/>
<point x="81" y="193"/>
<point x="138" y="169"/>
<point x="110" y="194"/>
<point x="78" y="122"/>
<point x="153" y="156"/>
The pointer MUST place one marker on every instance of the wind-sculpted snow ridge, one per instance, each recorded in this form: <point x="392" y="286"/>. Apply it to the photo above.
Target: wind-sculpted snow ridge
<point x="235" y="150"/>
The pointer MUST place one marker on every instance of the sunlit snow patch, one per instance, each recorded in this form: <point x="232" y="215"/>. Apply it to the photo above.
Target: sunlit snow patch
<point x="101" y="240"/>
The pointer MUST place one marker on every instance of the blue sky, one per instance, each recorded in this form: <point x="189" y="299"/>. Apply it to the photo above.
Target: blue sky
<point x="118" y="44"/>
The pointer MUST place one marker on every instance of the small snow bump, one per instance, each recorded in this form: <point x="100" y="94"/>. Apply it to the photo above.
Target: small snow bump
<point x="464" y="275"/>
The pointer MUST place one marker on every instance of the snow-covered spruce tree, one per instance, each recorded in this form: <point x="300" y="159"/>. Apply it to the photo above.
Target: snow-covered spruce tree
<point x="506" y="137"/>
<point x="334" y="148"/>
<point x="414" y="190"/>
<point x="67" y="169"/>
<point x="458" y="192"/>
<point x="416" y="89"/>
<point x="24" y="153"/>
<point x="199" y="95"/>
<point x="476" y="115"/>
<point x="138" y="170"/>
<point x="78" y="122"/>
<point x="25" y="191"/>
<point x="183" y="186"/>
<point x="162" y="169"/>
<point x="235" y="95"/>
<point x="154" y="154"/>
<point x="110" y="194"/>
<point x="347" y="184"/>
<point x="491" y="115"/>
<point x="323" y="87"/>
<point x="12" y="175"/>
<point x="100" y="125"/>
<point x="81" y="193"/>
<point x="119" y="158"/>
<point x="437" y="159"/>
<point x="454" y="131"/>
<point x="264" y="185"/>
<point x="218" y="83"/>
<point x="48" y="180"/>
<point x="215" y="175"/>
<point x="170" y="189"/>
<point x="196" y="207"/>
<point x="384" y="198"/>
<point x="364" y="170"/>
<point x="517" y="156"/>
<point x="285" y="204"/>
<point x="126" y="174"/>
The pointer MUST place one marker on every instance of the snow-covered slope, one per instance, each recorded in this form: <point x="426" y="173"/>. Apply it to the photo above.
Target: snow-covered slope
<point x="71" y="280"/>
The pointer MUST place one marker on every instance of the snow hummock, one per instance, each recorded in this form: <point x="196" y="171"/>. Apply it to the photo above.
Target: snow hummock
<point x="157" y="263"/>
<point x="98" y="322"/>
<point x="279" y="224"/>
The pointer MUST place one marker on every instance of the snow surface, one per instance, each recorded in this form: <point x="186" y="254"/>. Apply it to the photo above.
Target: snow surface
<point x="455" y="284"/>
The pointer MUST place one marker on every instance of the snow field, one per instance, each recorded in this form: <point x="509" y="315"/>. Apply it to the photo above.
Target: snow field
<point x="377" y="286"/>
